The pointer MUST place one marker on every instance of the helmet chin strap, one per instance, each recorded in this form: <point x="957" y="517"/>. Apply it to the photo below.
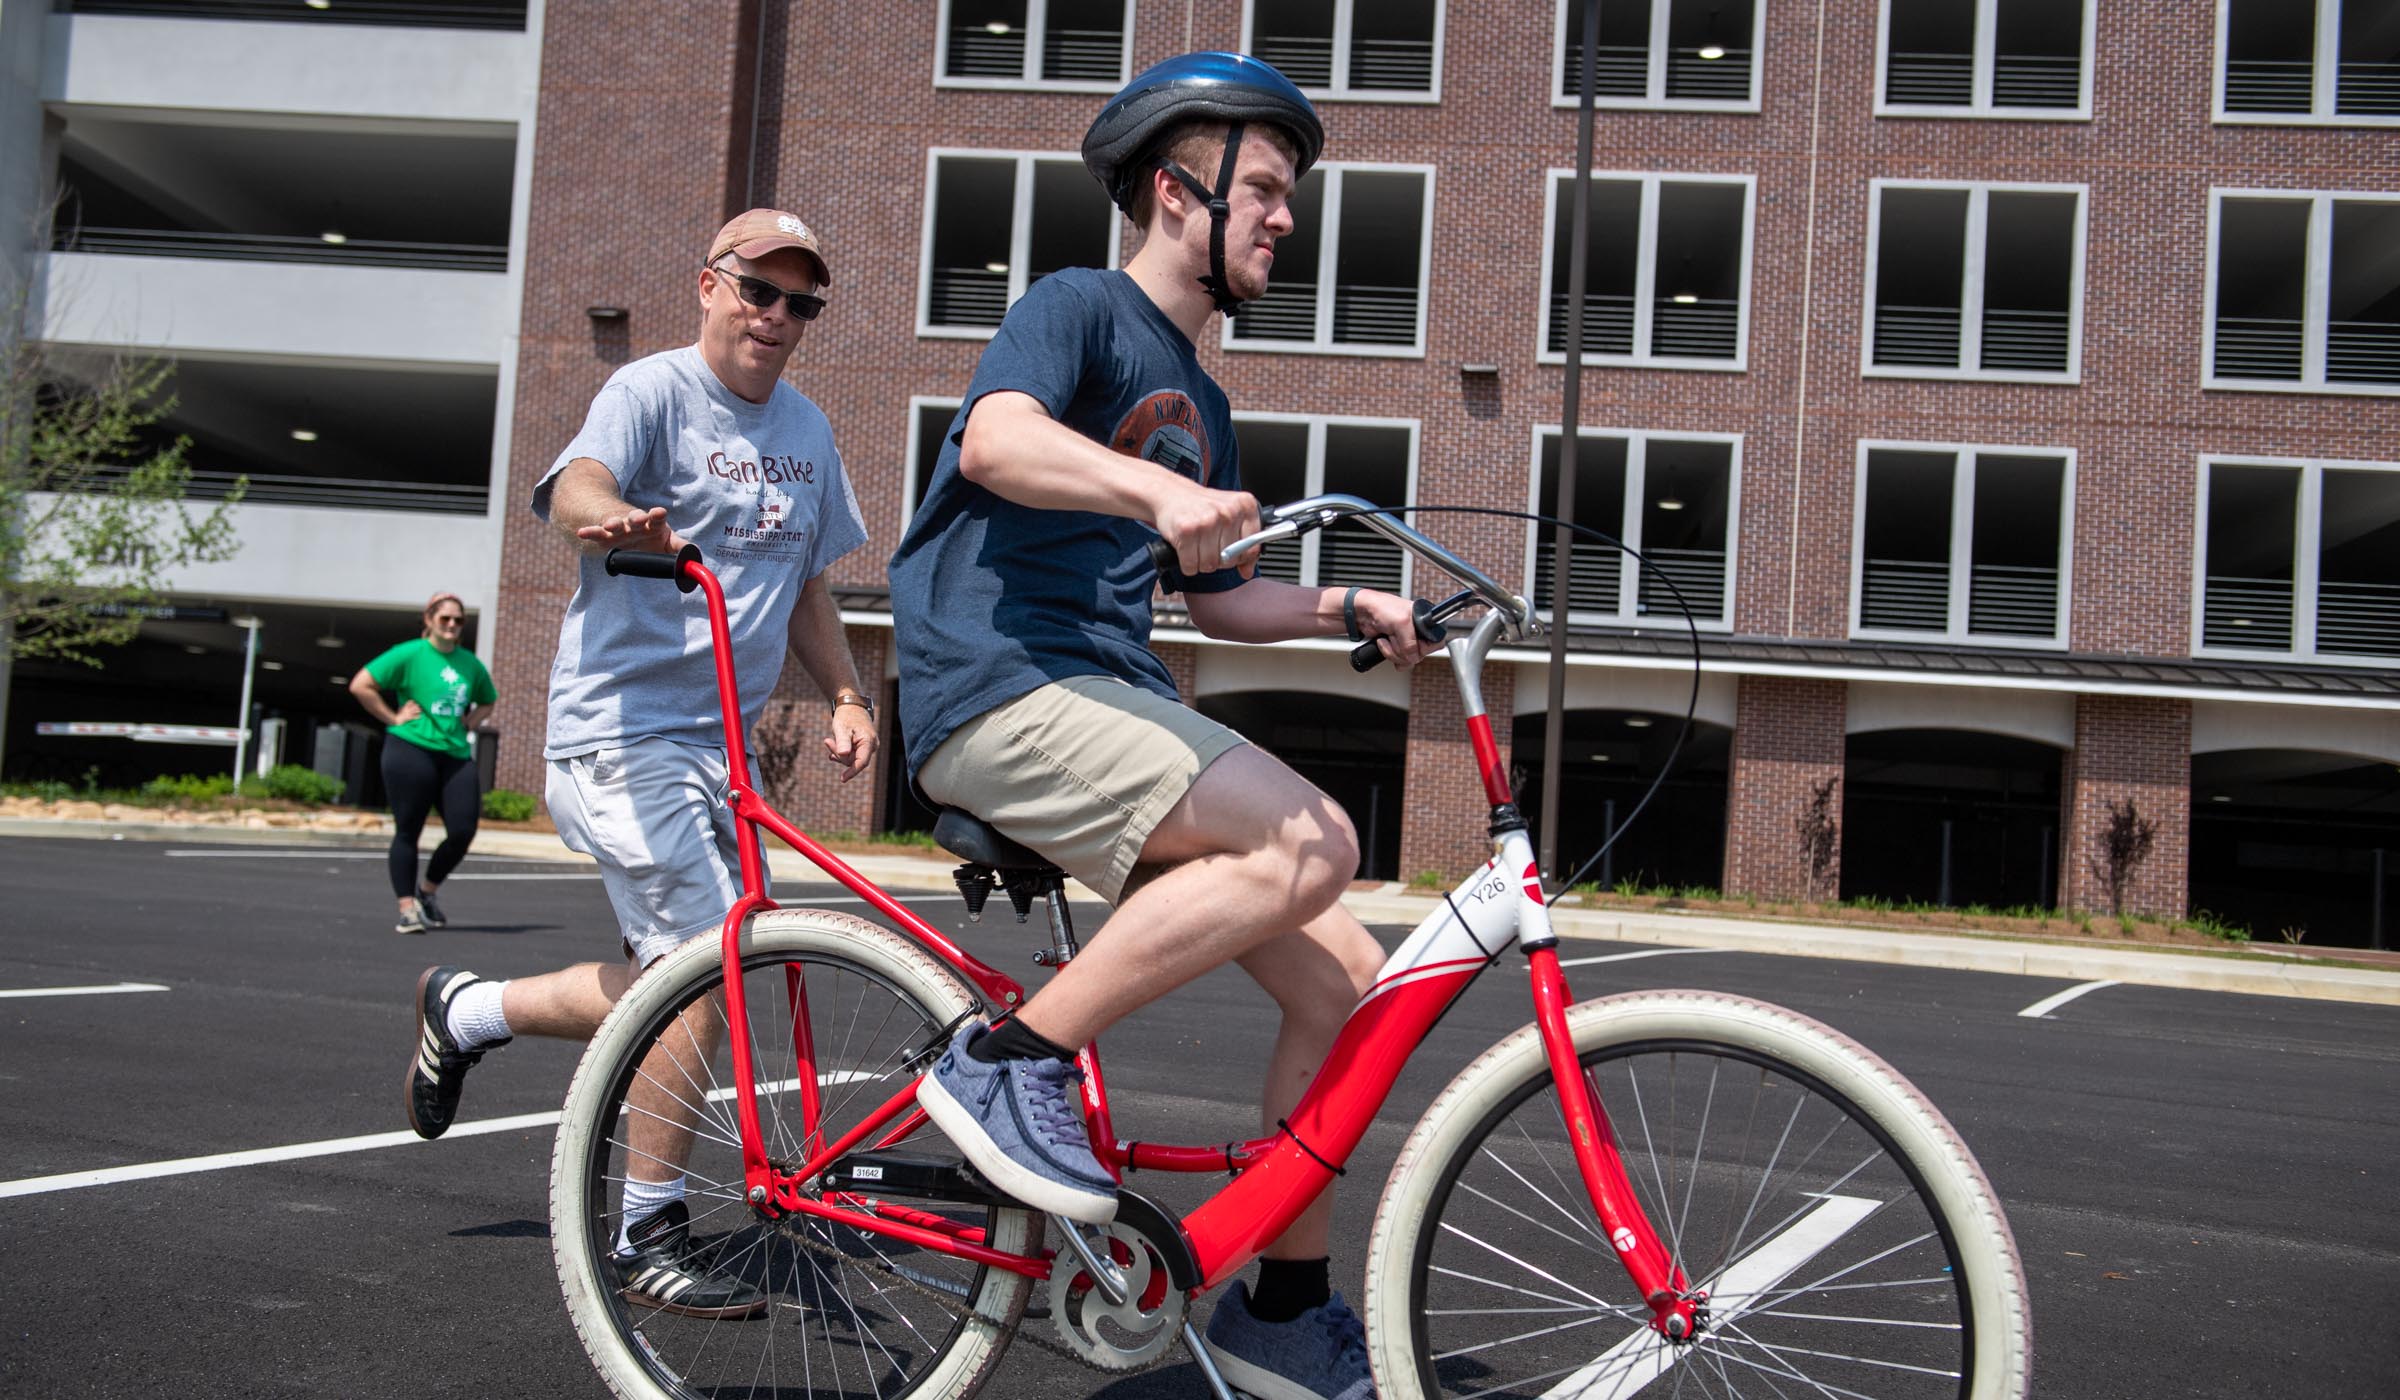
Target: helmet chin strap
<point x="1219" y="289"/>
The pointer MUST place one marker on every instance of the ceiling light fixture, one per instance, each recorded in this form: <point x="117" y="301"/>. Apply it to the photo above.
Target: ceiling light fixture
<point x="319" y="4"/>
<point x="1670" y="503"/>
<point x="1711" y="52"/>
<point x="304" y="435"/>
<point x="999" y="267"/>
<point x="337" y="239"/>
<point x="270" y="665"/>
<point x="195" y="649"/>
<point x="998" y="26"/>
<point x="1686" y="299"/>
<point x="333" y="637"/>
<point x="1637" y="721"/>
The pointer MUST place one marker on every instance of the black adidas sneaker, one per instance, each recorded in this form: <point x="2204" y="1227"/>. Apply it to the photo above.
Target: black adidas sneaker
<point x="671" y="1273"/>
<point x="438" y="1067"/>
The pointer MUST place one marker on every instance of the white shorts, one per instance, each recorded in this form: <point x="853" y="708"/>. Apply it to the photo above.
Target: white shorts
<point x="656" y="816"/>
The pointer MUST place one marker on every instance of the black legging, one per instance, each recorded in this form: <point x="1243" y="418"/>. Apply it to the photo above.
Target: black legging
<point x="413" y="777"/>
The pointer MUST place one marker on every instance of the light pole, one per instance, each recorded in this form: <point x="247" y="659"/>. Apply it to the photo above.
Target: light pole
<point x="251" y="627"/>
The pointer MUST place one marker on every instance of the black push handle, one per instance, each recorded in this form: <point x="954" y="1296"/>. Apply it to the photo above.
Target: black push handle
<point x="1170" y="577"/>
<point x="644" y="563"/>
<point x="1366" y="656"/>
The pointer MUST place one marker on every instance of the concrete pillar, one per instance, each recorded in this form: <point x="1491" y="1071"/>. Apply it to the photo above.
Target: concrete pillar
<point x="1445" y="820"/>
<point x="2127" y="750"/>
<point x="1787" y="744"/>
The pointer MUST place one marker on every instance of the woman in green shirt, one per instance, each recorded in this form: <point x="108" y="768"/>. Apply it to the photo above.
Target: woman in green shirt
<point x="444" y="693"/>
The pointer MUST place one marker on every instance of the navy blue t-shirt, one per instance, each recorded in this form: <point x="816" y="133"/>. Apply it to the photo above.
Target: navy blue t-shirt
<point x="992" y="600"/>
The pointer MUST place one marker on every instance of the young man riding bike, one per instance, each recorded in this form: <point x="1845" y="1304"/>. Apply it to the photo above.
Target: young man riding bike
<point x="1031" y="697"/>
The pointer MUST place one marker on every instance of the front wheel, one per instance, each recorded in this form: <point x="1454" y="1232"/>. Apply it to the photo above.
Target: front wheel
<point x="843" y="1014"/>
<point x="1846" y="1238"/>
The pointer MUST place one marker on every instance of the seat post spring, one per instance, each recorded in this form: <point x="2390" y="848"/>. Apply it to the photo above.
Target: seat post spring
<point x="1062" y="924"/>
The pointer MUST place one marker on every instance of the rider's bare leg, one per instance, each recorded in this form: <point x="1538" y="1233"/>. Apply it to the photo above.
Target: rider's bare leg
<point x="1254" y="852"/>
<point x="1316" y="976"/>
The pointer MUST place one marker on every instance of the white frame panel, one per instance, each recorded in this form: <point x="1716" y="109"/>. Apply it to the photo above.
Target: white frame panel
<point x="2325" y="77"/>
<point x="1657" y="101"/>
<point x="1645" y="278"/>
<point x="1313" y="475"/>
<point x="1341" y="91"/>
<point x="2307" y="545"/>
<point x="2313" y="311"/>
<point x="1979" y="107"/>
<point x="1971" y="270"/>
<point x="1629" y="612"/>
<point x="917" y="404"/>
<point x="1036" y="27"/>
<point x="1020" y="229"/>
<point x="1329" y="258"/>
<point x="1962" y="536"/>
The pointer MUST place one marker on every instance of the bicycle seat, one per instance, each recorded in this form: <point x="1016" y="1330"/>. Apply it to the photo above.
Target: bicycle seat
<point x="974" y="841"/>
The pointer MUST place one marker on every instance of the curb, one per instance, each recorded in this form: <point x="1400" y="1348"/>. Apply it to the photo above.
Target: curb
<point x="1952" y="952"/>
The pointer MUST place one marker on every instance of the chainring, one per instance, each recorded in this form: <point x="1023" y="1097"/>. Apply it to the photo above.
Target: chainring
<point x="1118" y="1336"/>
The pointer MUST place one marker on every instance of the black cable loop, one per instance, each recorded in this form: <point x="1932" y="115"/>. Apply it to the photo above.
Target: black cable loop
<point x="1558" y="618"/>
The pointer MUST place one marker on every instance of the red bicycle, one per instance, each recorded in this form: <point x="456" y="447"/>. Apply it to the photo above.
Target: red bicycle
<point x="1682" y="1191"/>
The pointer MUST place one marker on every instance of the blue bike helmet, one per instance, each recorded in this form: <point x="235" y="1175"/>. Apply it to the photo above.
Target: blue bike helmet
<point x="1122" y="147"/>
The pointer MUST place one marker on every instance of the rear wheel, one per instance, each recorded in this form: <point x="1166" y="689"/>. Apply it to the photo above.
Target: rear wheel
<point x="848" y="1312"/>
<point x="1847" y="1239"/>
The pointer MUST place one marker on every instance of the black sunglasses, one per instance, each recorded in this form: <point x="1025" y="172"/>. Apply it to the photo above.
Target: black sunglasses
<point x="760" y="292"/>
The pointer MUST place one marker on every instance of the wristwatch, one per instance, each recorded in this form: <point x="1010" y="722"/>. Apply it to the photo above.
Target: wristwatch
<point x="852" y="697"/>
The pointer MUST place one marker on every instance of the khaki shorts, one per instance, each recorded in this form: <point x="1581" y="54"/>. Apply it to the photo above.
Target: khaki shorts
<point x="1081" y="770"/>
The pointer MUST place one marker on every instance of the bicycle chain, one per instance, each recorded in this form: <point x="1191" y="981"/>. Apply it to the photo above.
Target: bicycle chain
<point x="1010" y="1332"/>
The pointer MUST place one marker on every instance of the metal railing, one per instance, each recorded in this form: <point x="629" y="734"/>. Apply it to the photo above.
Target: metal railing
<point x="2036" y="80"/>
<point x="2362" y="352"/>
<point x="2025" y="341"/>
<point x="1623" y="69"/>
<point x="966" y="296"/>
<point x="1930" y="80"/>
<point x="426" y="14"/>
<point x="1708" y="329"/>
<point x="1699" y="574"/>
<point x="1348" y="556"/>
<point x="1086" y="55"/>
<point x="2270" y="85"/>
<point x="1607" y="324"/>
<point x="2259" y="347"/>
<point x="1288" y="311"/>
<point x="1925" y="336"/>
<point x="1691" y="78"/>
<point x="292" y="248"/>
<point x="1364" y="315"/>
<point x="324" y="492"/>
<point x="1599" y="569"/>
<point x="1392" y="65"/>
<point x="2246" y="612"/>
<point x="1907" y="595"/>
<point x="2367" y="90"/>
<point x="976" y="52"/>
<point x="2358" y="619"/>
<point x="1305" y="59"/>
<point x="2012" y="600"/>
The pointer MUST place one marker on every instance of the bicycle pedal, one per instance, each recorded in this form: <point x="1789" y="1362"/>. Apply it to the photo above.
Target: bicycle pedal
<point x="917" y="1176"/>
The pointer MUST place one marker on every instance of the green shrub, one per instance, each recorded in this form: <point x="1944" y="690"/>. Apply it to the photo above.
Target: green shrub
<point x="40" y="789"/>
<point x="507" y="805"/>
<point x="295" y="783"/>
<point x="188" y="787"/>
<point x="1428" y="880"/>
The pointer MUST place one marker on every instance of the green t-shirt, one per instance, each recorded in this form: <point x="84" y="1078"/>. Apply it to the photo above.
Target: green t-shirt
<point x="445" y="686"/>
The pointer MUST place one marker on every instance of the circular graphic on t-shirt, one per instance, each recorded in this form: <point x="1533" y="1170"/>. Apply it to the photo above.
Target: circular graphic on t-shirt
<point x="1165" y="428"/>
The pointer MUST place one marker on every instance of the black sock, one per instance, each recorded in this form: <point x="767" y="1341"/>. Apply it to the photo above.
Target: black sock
<point x="1289" y="1287"/>
<point x="1013" y="1040"/>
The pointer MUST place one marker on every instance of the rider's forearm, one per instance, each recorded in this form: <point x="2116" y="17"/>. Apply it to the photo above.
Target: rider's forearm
<point x="816" y="638"/>
<point x="1268" y="610"/>
<point x="1021" y="454"/>
<point x="585" y="495"/>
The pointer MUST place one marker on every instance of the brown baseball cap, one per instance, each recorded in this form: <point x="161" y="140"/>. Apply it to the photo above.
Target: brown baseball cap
<point x="758" y="232"/>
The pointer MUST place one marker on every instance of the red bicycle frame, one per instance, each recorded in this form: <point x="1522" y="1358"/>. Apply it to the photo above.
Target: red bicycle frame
<point x="1276" y="1178"/>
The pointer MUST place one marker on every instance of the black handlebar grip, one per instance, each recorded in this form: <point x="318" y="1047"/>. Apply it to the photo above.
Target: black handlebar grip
<point x="1170" y="577"/>
<point x="1366" y="656"/>
<point x="643" y="563"/>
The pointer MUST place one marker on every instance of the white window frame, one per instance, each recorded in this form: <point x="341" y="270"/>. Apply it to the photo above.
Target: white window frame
<point x="2325" y="74"/>
<point x="1971" y="270"/>
<point x="2313" y="310"/>
<point x="2307" y="546"/>
<point x="1657" y="100"/>
<point x="1313" y="476"/>
<point x="1962" y="546"/>
<point x="1629" y="613"/>
<point x="1341" y="91"/>
<point x="917" y="404"/>
<point x="1645" y="277"/>
<point x="1020" y="230"/>
<point x="1329" y="258"/>
<point x="1979" y="106"/>
<point x="1036" y="28"/>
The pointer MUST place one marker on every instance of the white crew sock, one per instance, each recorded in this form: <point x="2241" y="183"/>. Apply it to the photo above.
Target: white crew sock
<point x="644" y="1199"/>
<point x="474" y="1019"/>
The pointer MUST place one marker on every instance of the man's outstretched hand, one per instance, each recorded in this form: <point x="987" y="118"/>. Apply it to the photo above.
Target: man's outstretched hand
<point x="645" y="530"/>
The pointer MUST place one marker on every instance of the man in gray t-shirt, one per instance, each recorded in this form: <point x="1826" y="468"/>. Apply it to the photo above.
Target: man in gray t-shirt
<point x="706" y="445"/>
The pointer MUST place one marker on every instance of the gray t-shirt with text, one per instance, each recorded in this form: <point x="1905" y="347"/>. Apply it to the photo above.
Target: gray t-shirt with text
<point x="758" y="487"/>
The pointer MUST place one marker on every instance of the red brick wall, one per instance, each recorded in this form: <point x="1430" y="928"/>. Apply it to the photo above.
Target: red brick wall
<point x="1787" y="740"/>
<point x="2137" y="751"/>
<point x="815" y="797"/>
<point x="1445" y="821"/>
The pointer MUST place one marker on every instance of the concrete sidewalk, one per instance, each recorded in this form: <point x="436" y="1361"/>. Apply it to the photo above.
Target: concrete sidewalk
<point x="2256" y="973"/>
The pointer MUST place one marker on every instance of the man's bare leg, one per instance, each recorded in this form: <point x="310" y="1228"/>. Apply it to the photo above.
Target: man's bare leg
<point x="1316" y="976"/>
<point x="664" y="1098"/>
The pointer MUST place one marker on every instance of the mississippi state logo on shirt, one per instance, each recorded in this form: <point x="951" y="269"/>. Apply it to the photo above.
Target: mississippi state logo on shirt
<point x="1165" y="428"/>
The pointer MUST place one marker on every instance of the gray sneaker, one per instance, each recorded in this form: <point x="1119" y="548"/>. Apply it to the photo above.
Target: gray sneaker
<point x="1319" y="1355"/>
<point x="1016" y="1122"/>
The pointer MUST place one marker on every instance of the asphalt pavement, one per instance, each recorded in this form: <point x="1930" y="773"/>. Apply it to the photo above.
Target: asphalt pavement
<point x="2201" y="1183"/>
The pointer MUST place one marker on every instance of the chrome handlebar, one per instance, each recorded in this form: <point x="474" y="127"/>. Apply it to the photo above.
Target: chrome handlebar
<point x="1316" y="512"/>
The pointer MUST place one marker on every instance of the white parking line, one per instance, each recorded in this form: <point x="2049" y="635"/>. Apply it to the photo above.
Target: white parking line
<point x="82" y="991"/>
<point x="330" y="1147"/>
<point x="1644" y="953"/>
<point x="2049" y="1004"/>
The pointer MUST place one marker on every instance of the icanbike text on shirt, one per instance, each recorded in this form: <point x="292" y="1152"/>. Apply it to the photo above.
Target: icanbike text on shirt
<point x="769" y="468"/>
